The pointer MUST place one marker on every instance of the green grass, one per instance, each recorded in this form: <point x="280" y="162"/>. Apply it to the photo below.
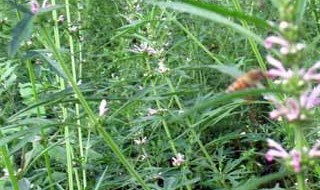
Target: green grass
<point x="53" y="138"/>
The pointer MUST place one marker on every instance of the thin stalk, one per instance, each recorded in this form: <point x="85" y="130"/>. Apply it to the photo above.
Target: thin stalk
<point x="80" y="140"/>
<point x="91" y="115"/>
<point x="252" y="43"/>
<point x="189" y="125"/>
<point x="164" y="123"/>
<point x="64" y="110"/>
<point x="74" y="75"/>
<point x="299" y="142"/>
<point x="32" y="78"/>
<point x="197" y="42"/>
<point x="8" y="164"/>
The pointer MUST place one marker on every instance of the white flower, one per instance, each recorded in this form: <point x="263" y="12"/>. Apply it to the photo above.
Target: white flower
<point x="178" y="160"/>
<point x="140" y="141"/>
<point x="103" y="107"/>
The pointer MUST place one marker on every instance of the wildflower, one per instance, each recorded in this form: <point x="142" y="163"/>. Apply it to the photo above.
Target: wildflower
<point x="283" y="25"/>
<point x="311" y="73"/>
<point x="315" y="152"/>
<point x="34" y="6"/>
<point x="143" y="157"/>
<point x="140" y="141"/>
<point x="279" y="70"/>
<point x="152" y="111"/>
<point x="29" y="42"/>
<point x="73" y="29"/>
<point x="61" y="18"/>
<point x="103" y="107"/>
<point x="290" y="109"/>
<point x="178" y="160"/>
<point x="311" y="99"/>
<point x="162" y="68"/>
<point x="144" y="48"/>
<point x="5" y="173"/>
<point x="295" y="160"/>
<point x="271" y="40"/>
<point x="276" y="151"/>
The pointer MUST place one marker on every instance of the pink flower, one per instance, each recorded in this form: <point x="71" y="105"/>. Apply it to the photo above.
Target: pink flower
<point x="279" y="70"/>
<point x="276" y="151"/>
<point x="103" y="107"/>
<point x="315" y="152"/>
<point x="311" y="99"/>
<point x="295" y="160"/>
<point x="34" y="6"/>
<point x="290" y="109"/>
<point x="271" y="40"/>
<point x="311" y="73"/>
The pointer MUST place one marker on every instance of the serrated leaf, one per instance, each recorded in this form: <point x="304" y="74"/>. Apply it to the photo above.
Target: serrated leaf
<point x="21" y="32"/>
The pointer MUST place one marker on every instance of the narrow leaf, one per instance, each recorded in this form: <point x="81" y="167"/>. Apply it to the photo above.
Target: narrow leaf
<point x="254" y="183"/>
<point x="42" y="54"/>
<point x="21" y="32"/>
<point x="19" y="7"/>
<point x="184" y="7"/>
<point x="300" y="8"/>
<point x="230" y="13"/>
<point x="49" y="9"/>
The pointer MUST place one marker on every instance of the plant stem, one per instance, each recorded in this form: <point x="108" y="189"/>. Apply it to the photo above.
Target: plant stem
<point x="91" y="115"/>
<point x="299" y="142"/>
<point x="42" y="134"/>
<point x="8" y="164"/>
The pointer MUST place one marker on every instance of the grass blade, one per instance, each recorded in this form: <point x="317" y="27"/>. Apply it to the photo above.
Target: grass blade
<point x="209" y="14"/>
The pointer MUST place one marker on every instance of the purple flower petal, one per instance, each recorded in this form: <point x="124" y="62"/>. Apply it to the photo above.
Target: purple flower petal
<point x="269" y="41"/>
<point x="294" y="110"/>
<point x="313" y="98"/>
<point x="276" y="63"/>
<point x="296" y="159"/>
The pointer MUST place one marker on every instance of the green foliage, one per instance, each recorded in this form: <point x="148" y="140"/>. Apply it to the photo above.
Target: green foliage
<point x="21" y="32"/>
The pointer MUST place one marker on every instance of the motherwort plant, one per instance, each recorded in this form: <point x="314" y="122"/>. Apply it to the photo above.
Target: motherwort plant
<point x="299" y="87"/>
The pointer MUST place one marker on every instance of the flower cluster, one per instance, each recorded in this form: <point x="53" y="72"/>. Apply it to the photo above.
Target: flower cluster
<point x="294" y="158"/>
<point x="301" y="98"/>
<point x="300" y="93"/>
<point x="178" y="160"/>
<point x="35" y="7"/>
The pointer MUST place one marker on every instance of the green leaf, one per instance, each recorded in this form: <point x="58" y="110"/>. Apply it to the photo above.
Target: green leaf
<point x="21" y="32"/>
<point x="278" y="3"/>
<point x="230" y="13"/>
<point x="43" y="55"/>
<point x="49" y="9"/>
<point x="210" y="14"/>
<point x="300" y="8"/>
<point x="225" y="69"/>
<point x="223" y="98"/>
<point x="254" y="183"/>
<point x="19" y="7"/>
